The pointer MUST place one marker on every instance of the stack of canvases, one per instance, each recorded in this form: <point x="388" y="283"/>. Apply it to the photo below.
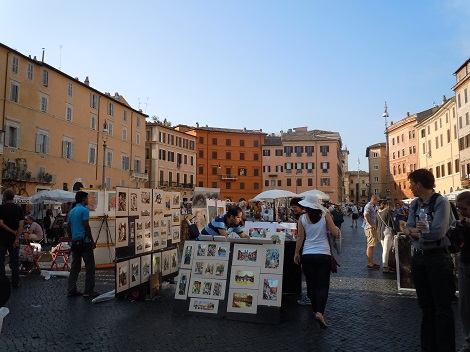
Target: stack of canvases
<point x="255" y="273"/>
<point x="147" y="227"/>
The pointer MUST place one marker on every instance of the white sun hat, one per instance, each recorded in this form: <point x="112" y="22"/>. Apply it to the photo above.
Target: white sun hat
<point x="313" y="202"/>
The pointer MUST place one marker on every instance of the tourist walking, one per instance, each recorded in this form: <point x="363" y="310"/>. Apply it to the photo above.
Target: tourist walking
<point x="316" y="253"/>
<point x="370" y="230"/>
<point x="385" y="233"/>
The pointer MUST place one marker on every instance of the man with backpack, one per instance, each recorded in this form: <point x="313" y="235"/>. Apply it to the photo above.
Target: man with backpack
<point x="431" y="265"/>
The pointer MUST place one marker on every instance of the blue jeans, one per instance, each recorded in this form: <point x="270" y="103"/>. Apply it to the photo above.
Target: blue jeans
<point x="89" y="259"/>
<point x="433" y="280"/>
<point x="14" y="262"/>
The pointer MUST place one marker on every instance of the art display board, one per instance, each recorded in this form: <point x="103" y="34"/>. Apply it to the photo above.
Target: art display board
<point x="145" y="225"/>
<point x="246" y="279"/>
<point x="275" y="231"/>
<point x="403" y="254"/>
<point x="96" y="202"/>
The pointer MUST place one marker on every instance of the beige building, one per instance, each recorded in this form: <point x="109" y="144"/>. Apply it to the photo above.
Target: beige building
<point x="300" y="160"/>
<point x="461" y="89"/>
<point x="170" y="159"/>
<point x="357" y="184"/>
<point x="438" y="146"/>
<point x="376" y="156"/>
<point x="53" y="130"/>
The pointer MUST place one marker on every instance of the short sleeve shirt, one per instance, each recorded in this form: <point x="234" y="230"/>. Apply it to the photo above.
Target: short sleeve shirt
<point x="76" y="217"/>
<point x="219" y="222"/>
<point x="370" y="209"/>
<point x="11" y="214"/>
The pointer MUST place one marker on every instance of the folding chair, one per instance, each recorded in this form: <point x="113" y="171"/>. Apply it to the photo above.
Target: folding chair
<point x="61" y="254"/>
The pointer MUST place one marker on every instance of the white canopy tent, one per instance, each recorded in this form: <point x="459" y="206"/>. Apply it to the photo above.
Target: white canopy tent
<point x="56" y="195"/>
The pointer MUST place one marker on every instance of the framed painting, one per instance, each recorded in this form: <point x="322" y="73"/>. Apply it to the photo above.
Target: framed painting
<point x="145" y="263"/>
<point x="207" y="288"/>
<point x="175" y="200"/>
<point x="166" y="269"/>
<point x="158" y="196"/>
<point x="242" y="301"/>
<point x="246" y="277"/>
<point x="270" y="290"/>
<point x="168" y="201"/>
<point x="145" y="201"/>
<point x="122" y="232"/>
<point x="188" y="254"/>
<point x="122" y="276"/>
<point x="133" y="202"/>
<point x="272" y="256"/>
<point x="204" y="305"/>
<point x="222" y="251"/>
<point x="210" y="269"/>
<point x="173" y="261"/>
<point x="257" y="232"/>
<point x="134" y="265"/>
<point x="156" y="263"/>
<point x="131" y="225"/>
<point x="246" y="254"/>
<point x="96" y="200"/>
<point x="122" y="201"/>
<point x="110" y="203"/>
<point x="175" y="218"/>
<point x="200" y="217"/>
<point x="175" y="234"/>
<point x="182" y="284"/>
<point x="139" y="237"/>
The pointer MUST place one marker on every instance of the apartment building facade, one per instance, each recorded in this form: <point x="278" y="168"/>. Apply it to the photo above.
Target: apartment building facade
<point x="228" y="159"/>
<point x="358" y="186"/>
<point x="300" y="160"/>
<point x="376" y="157"/>
<point x="53" y="130"/>
<point x="461" y="89"/>
<point x="170" y="159"/>
<point x="438" y="148"/>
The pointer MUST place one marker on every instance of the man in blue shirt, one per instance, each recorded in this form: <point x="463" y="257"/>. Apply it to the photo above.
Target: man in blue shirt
<point x="226" y="225"/>
<point x="82" y="247"/>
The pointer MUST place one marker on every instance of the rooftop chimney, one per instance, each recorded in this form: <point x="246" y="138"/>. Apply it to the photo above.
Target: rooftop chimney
<point x="87" y="81"/>
<point x="197" y="124"/>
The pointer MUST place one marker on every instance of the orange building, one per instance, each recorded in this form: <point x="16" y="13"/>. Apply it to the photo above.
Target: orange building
<point x="229" y="159"/>
<point x="301" y="160"/>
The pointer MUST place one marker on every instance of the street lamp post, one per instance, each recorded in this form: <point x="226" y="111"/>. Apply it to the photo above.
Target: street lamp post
<point x="387" y="171"/>
<point x="105" y="139"/>
<point x="358" y="179"/>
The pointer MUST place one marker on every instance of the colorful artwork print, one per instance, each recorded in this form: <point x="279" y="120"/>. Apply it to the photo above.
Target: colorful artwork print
<point x="182" y="285"/>
<point x="188" y="255"/>
<point x="173" y="261"/>
<point x="270" y="290"/>
<point x="157" y="198"/>
<point x="242" y="301"/>
<point x="122" y="276"/>
<point x="145" y="197"/>
<point x="135" y="272"/>
<point x="211" y="250"/>
<point x="257" y="232"/>
<point x="198" y="268"/>
<point x="167" y="201"/>
<point x="272" y="259"/>
<point x="217" y="291"/>
<point x="156" y="263"/>
<point x="221" y="252"/>
<point x="201" y="250"/>
<point x="111" y="203"/>
<point x="247" y="255"/>
<point x="176" y="199"/>
<point x="245" y="277"/>
<point x="166" y="265"/>
<point x="202" y="305"/>
<point x="196" y="287"/>
<point x="145" y="267"/>
<point x="219" y="269"/>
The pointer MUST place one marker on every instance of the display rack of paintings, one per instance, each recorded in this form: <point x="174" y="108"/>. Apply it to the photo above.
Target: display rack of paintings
<point x="182" y="284"/>
<point x="122" y="276"/>
<point x="134" y="272"/>
<point x="133" y="202"/>
<point x="147" y="224"/>
<point x="122" y="201"/>
<point x="139" y="237"/>
<point x="145" y="266"/>
<point x="204" y="305"/>
<point x="242" y="301"/>
<point x="270" y="290"/>
<point x="274" y="231"/>
<point x="207" y="288"/>
<point x="158" y="197"/>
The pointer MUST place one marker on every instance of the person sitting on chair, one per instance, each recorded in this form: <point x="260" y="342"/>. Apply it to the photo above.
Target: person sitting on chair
<point x="35" y="232"/>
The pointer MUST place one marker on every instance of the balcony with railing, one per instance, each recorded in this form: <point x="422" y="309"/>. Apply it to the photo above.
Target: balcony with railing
<point x="228" y="177"/>
<point x="171" y="184"/>
<point x="26" y="176"/>
<point x="139" y="176"/>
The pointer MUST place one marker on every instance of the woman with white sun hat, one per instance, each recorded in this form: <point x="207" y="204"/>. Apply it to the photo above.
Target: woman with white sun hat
<point x="313" y="226"/>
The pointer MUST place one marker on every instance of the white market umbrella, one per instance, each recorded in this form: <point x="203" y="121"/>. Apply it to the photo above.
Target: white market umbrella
<point x="315" y="192"/>
<point x="56" y="195"/>
<point x="453" y="195"/>
<point x="275" y="194"/>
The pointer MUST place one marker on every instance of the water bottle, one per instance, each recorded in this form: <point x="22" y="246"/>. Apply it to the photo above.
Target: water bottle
<point x="424" y="218"/>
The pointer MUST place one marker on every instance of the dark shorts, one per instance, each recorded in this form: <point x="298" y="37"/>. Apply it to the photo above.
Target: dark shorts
<point x="354" y="216"/>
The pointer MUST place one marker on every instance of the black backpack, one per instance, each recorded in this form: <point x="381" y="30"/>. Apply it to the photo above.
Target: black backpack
<point x="454" y="233"/>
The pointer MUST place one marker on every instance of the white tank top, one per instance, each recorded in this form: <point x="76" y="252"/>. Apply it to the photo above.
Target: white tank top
<point x="316" y="240"/>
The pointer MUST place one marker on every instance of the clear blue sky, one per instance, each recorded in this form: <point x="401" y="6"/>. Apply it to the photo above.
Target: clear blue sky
<point x="266" y="64"/>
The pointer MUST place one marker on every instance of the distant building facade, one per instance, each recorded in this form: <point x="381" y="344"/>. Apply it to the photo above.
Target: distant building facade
<point x="376" y="156"/>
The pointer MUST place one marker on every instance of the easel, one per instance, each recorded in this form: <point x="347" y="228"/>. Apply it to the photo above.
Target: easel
<point x="109" y="239"/>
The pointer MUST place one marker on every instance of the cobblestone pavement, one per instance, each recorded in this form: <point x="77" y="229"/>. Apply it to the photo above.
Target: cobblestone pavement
<point x="365" y="313"/>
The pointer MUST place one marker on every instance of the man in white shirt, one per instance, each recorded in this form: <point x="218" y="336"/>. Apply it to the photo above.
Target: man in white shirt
<point x="355" y="215"/>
